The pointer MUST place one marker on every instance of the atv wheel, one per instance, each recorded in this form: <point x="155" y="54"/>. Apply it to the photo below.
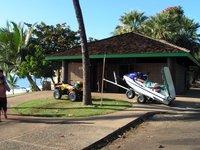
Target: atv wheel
<point x="141" y="99"/>
<point x="130" y="94"/>
<point x="72" y="96"/>
<point x="57" y="94"/>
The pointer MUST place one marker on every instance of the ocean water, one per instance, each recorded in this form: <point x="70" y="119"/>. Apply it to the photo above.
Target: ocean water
<point x="23" y="82"/>
<point x="24" y="86"/>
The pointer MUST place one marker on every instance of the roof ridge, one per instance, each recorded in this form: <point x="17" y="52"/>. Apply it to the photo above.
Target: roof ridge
<point x="162" y="41"/>
<point x="173" y="45"/>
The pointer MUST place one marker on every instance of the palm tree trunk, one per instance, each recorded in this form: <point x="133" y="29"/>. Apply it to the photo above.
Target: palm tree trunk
<point x="53" y="81"/>
<point x="85" y="55"/>
<point x="34" y="86"/>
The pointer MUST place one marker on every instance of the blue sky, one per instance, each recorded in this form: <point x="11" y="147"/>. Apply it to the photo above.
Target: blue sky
<point x="100" y="16"/>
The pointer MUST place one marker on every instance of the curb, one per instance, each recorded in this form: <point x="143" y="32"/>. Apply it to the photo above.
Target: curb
<point x="119" y="132"/>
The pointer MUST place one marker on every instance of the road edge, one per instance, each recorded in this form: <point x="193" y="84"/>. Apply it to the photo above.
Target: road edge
<point x="119" y="132"/>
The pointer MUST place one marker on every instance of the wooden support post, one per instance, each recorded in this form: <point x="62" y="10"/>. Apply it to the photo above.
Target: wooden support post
<point x="102" y="81"/>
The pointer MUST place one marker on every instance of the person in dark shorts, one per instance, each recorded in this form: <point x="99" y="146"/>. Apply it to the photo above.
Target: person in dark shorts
<point x="3" y="99"/>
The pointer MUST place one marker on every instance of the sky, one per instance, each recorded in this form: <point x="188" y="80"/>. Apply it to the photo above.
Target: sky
<point x="100" y="16"/>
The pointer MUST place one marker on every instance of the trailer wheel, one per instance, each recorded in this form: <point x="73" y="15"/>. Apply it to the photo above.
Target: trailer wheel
<point x="57" y="94"/>
<point x="141" y="99"/>
<point x="72" y="96"/>
<point x="170" y="103"/>
<point x="130" y="94"/>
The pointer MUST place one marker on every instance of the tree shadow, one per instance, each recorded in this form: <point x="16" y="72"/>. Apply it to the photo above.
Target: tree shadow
<point x="83" y="120"/>
<point x="186" y="104"/>
<point x="47" y="120"/>
<point x="71" y="108"/>
<point x="192" y="93"/>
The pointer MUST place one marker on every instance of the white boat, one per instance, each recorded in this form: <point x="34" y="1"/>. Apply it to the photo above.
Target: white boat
<point x="165" y="95"/>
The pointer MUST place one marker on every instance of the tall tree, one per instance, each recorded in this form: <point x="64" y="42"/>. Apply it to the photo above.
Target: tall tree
<point x="173" y="26"/>
<point x="170" y="25"/>
<point x="85" y="55"/>
<point x="13" y="42"/>
<point x="55" y="38"/>
<point x="11" y="38"/>
<point x="12" y="81"/>
<point x="46" y="39"/>
<point x="131" y="21"/>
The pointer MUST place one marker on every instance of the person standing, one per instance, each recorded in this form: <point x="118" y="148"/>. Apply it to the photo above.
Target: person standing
<point x="3" y="99"/>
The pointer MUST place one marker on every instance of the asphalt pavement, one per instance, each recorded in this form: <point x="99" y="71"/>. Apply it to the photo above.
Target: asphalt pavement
<point x="37" y="133"/>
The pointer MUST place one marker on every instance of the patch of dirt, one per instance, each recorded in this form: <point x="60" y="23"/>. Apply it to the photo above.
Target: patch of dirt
<point x="163" y="131"/>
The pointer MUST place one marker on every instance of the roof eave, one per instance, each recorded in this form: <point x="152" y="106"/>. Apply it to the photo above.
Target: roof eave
<point x="130" y="55"/>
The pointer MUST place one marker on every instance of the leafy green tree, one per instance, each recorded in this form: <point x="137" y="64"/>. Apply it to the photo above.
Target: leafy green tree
<point x="23" y="50"/>
<point x="13" y="42"/>
<point x="47" y="39"/>
<point x="131" y="21"/>
<point x="55" y="38"/>
<point x="34" y="64"/>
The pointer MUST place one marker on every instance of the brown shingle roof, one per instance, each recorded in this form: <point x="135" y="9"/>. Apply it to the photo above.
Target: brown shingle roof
<point x="125" y="44"/>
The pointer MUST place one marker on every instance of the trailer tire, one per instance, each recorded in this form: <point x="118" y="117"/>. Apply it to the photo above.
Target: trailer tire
<point x="171" y="103"/>
<point x="130" y="94"/>
<point x="141" y="99"/>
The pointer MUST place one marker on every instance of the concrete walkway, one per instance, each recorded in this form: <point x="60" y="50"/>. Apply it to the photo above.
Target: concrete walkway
<point x="36" y="133"/>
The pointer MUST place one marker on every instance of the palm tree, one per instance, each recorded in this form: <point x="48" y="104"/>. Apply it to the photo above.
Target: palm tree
<point x="12" y="81"/>
<point x="173" y="26"/>
<point x="85" y="55"/>
<point x="131" y="21"/>
<point x="13" y="41"/>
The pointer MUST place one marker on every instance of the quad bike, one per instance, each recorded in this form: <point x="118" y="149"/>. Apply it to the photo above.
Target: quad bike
<point x="73" y="91"/>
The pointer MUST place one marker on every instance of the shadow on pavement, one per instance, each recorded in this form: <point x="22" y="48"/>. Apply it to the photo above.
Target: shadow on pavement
<point x="193" y="93"/>
<point x="186" y="104"/>
<point x="183" y="103"/>
<point x="26" y="119"/>
<point x="47" y="121"/>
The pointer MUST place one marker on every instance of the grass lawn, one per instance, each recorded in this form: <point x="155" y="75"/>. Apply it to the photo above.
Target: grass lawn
<point x="65" y="108"/>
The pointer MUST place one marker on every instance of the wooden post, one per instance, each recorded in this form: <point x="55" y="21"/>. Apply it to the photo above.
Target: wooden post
<point x="102" y="81"/>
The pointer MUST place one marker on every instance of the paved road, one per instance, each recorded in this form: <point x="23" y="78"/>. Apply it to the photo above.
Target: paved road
<point x="179" y="130"/>
<point x="19" y="133"/>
